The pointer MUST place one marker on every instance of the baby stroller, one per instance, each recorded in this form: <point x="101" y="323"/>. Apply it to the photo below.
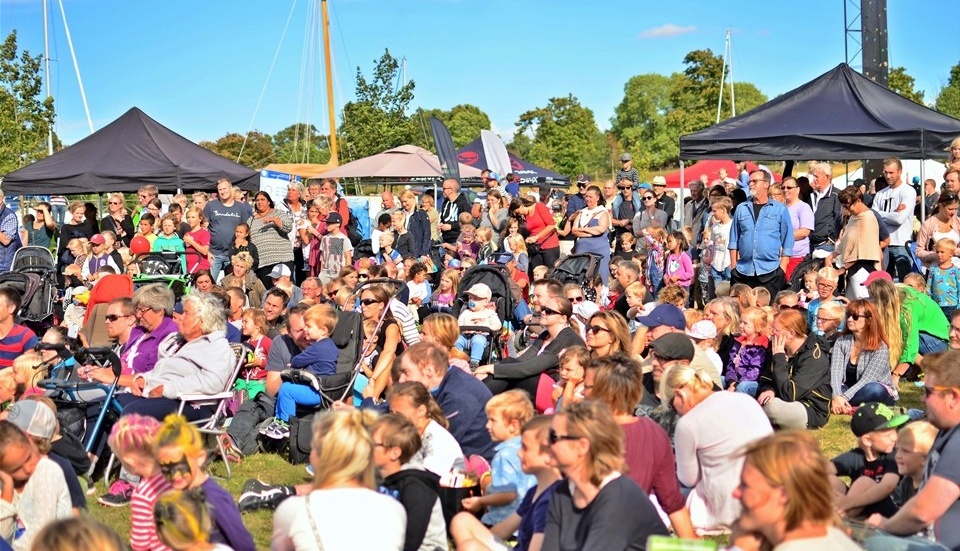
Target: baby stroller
<point x="33" y="274"/>
<point x="165" y="268"/>
<point x="497" y="279"/>
<point x="581" y="269"/>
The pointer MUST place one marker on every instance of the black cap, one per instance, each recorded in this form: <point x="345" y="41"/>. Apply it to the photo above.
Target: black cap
<point x="674" y="346"/>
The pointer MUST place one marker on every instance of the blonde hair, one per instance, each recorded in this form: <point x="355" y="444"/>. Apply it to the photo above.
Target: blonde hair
<point x="28" y="368"/>
<point x="738" y="291"/>
<point x="919" y="435"/>
<point x="321" y="315"/>
<point x="182" y="518"/>
<point x="672" y="294"/>
<point x="243" y="257"/>
<point x="947" y="243"/>
<point x="692" y="316"/>
<point x="512" y="405"/>
<point x="761" y="297"/>
<point x="517" y="244"/>
<point x="828" y="274"/>
<point x="258" y="317"/>
<point x="343" y="448"/>
<point x="635" y="289"/>
<point x="484" y="234"/>
<point x="594" y="422"/>
<point x="731" y="310"/>
<point x="758" y="317"/>
<point x="887" y="300"/>
<point x="79" y="533"/>
<point x="679" y="376"/>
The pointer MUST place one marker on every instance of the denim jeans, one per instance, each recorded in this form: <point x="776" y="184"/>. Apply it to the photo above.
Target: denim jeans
<point x="292" y="395"/>
<point x="748" y="387"/>
<point x="871" y="392"/>
<point x="59" y="212"/>
<point x="930" y="344"/>
<point x="477" y="342"/>
<point x="899" y="263"/>
<point x="220" y="261"/>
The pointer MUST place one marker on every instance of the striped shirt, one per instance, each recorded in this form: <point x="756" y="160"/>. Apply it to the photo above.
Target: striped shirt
<point x="15" y="343"/>
<point x="143" y="529"/>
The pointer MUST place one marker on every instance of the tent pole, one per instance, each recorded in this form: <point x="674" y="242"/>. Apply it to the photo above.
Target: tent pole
<point x="682" y="186"/>
<point x="923" y="192"/>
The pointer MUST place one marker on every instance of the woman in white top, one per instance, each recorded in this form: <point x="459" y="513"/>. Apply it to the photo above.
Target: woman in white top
<point x="943" y="224"/>
<point x="711" y="433"/>
<point x="329" y="517"/>
<point x="439" y="450"/>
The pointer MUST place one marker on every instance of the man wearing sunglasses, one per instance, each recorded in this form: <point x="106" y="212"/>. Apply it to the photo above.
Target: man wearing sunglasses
<point x="625" y="206"/>
<point x="578" y="201"/>
<point x="937" y="502"/>
<point x="825" y="202"/>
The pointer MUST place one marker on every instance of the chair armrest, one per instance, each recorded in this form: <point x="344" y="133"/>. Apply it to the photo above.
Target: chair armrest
<point x="204" y="397"/>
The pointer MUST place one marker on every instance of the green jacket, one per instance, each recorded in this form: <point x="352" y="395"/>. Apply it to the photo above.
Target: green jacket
<point x="921" y="314"/>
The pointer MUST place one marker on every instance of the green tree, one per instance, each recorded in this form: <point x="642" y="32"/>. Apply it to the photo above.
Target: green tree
<point x="25" y="116"/>
<point x="900" y="82"/>
<point x="256" y="153"/>
<point x="301" y="143"/>
<point x="565" y="137"/>
<point x="639" y="123"/>
<point x="948" y="100"/>
<point x="464" y="122"/>
<point x="694" y="98"/>
<point x="748" y="97"/>
<point x="377" y="120"/>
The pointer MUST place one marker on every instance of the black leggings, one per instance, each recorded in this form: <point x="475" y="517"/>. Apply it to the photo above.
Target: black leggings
<point x="546" y="257"/>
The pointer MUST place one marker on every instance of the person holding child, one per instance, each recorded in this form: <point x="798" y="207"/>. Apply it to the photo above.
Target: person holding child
<point x="319" y="359"/>
<point x="479" y="313"/>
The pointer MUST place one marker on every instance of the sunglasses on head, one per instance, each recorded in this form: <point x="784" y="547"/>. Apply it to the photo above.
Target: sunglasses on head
<point x="553" y="437"/>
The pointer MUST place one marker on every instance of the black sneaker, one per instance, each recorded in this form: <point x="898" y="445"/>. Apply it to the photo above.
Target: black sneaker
<point x="118" y="495"/>
<point x="259" y="495"/>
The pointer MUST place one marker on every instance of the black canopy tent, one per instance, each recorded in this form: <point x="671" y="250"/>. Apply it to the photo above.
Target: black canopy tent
<point x="128" y="153"/>
<point x="841" y="115"/>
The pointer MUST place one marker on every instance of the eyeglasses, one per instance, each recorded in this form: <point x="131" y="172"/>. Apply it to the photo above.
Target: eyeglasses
<point x="821" y="319"/>
<point x="856" y="317"/>
<point x="114" y="317"/>
<point x="826" y="286"/>
<point x="576" y="299"/>
<point x="553" y="437"/>
<point x="141" y="310"/>
<point x="369" y="301"/>
<point x="115" y="203"/>
<point x="549" y="312"/>
<point x="596" y="329"/>
<point x="624" y="188"/>
<point x="332" y="294"/>
<point x="928" y="390"/>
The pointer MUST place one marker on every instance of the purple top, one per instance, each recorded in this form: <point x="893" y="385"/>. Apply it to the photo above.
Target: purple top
<point x="801" y="215"/>
<point x="139" y="355"/>
<point x="746" y="361"/>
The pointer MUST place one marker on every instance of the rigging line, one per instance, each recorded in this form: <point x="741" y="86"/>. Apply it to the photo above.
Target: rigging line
<point x="263" y="91"/>
<point x="76" y="67"/>
<point x="304" y="75"/>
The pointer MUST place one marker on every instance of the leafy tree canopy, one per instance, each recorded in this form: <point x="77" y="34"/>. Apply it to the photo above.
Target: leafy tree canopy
<point x="900" y="82"/>
<point x="948" y="100"/>
<point x="565" y="137"/>
<point x="257" y="153"/>
<point x="25" y="115"/>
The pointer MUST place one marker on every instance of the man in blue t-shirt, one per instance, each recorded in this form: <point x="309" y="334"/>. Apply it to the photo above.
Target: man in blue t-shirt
<point x="223" y="216"/>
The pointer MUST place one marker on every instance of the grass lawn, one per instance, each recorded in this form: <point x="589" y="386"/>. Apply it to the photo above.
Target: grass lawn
<point x="834" y="438"/>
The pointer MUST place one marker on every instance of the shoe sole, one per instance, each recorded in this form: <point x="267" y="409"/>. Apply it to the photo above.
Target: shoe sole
<point x="113" y="504"/>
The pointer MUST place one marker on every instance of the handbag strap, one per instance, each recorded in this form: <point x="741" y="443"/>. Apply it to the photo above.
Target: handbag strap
<point x="313" y="524"/>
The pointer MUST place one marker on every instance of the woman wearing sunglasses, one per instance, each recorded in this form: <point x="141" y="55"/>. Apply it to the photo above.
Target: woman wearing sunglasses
<point x="598" y="508"/>
<point x="860" y="363"/>
<point x="943" y="224"/>
<point x="802" y="217"/>
<point x="542" y="356"/>
<point x="377" y="362"/>
<point x="607" y="334"/>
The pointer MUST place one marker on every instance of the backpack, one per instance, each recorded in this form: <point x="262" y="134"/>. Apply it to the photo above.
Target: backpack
<point x="352" y="230"/>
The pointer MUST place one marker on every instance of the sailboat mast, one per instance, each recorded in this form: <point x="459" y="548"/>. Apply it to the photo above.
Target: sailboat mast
<point x="334" y="147"/>
<point x="46" y="72"/>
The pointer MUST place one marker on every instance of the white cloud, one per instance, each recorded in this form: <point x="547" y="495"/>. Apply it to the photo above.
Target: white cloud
<point x="667" y="30"/>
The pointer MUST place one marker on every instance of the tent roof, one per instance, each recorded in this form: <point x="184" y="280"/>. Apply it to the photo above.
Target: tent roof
<point x="128" y="153"/>
<point x="406" y="161"/>
<point x="840" y="115"/>
<point x="711" y="168"/>
<point x="473" y="155"/>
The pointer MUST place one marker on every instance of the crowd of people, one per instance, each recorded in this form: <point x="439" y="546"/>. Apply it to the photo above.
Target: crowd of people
<point x="670" y="389"/>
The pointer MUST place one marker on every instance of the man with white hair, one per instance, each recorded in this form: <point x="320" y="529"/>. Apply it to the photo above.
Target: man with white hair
<point x="825" y="202"/>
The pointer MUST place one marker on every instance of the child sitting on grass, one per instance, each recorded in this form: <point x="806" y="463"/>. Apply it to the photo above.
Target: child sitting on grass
<point x="749" y="354"/>
<point x="870" y="466"/>
<point x="479" y="313"/>
<point x="530" y="519"/>
<point x="913" y="445"/>
<point x="320" y="359"/>
<point x="507" y="484"/>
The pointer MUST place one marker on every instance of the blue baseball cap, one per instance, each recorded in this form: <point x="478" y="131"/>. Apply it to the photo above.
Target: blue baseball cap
<point x="664" y="314"/>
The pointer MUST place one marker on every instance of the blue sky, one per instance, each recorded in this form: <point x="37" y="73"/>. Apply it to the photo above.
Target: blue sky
<point x="199" y="66"/>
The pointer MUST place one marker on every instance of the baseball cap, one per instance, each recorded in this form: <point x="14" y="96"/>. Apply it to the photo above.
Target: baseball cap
<point x="874" y="416"/>
<point x="673" y="346"/>
<point x="583" y="179"/>
<point x="645" y="186"/>
<point x="280" y="270"/>
<point x="876" y="276"/>
<point x="33" y="418"/>
<point x="659" y="181"/>
<point x="493" y="176"/>
<point x="664" y="314"/>
<point x="625" y="157"/>
<point x="480" y="290"/>
<point x="703" y="329"/>
<point x="98" y="239"/>
<point x="334" y="218"/>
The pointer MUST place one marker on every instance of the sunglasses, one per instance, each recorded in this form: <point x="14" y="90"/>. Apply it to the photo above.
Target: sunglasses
<point x="549" y="312"/>
<point x="369" y="301"/>
<point x="553" y="437"/>
<point x="362" y="275"/>
<point x="575" y="299"/>
<point x="648" y="198"/>
<point x="787" y="188"/>
<point x="332" y="294"/>
<point x="856" y="317"/>
<point x="790" y="307"/>
<point x="625" y="187"/>
<point x="596" y="329"/>
<point x="113" y="317"/>
<point x="928" y="390"/>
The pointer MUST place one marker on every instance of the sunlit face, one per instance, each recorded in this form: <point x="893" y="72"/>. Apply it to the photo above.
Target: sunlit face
<point x="314" y="190"/>
<point x="952" y="181"/>
<point x="115" y="205"/>
<point x="293" y="194"/>
<point x="78" y="214"/>
<point x="955" y="333"/>
<point x="370" y="306"/>
<point x="328" y="189"/>
<point x="909" y="462"/>
<point x="168" y="227"/>
<point x="144" y="198"/>
<point x="188" y="322"/>
<point x="827" y="322"/>
<point x="146" y="227"/>
<point x="571" y="370"/>
<point x="240" y="269"/>
<point x="315" y="331"/>
<point x="310" y="289"/>
<point x="225" y="191"/>
<point x="261" y="203"/>
<point x="883" y="441"/>
<point x="747" y="328"/>
<point x="810" y="281"/>
<point x="762" y="505"/>
<point x="403" y="406"/>
<point x="532" y="453"/>
<point x="592" y="198"/>
<point x="598" y="334"/>
<point x="247" y="325"/>
<point x="273" y="307"/>
<point x="944" y="254"/>
<point x="891" y="173"/>
<point x="409" y="203"/>
<point x="825" y="288"/>
<point x="154" y="210"/>
<point x="499" y="428"/>
<point x="181" y="471"/>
